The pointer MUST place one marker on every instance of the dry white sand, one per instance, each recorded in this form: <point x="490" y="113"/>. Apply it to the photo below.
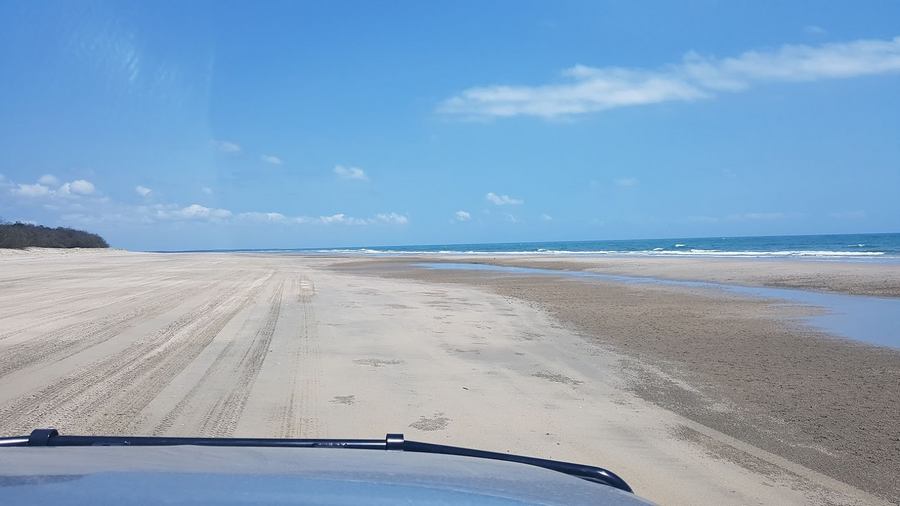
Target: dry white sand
<point x="256" y="345"/>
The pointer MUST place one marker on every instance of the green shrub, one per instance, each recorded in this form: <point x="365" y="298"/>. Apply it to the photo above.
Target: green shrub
<point x="24" y="235"/>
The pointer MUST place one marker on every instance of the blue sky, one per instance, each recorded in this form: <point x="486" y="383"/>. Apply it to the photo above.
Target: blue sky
<point x="188" y="125"/>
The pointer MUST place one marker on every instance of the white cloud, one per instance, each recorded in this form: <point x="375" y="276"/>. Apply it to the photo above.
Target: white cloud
<point x="462" y="216"/>
<point x="227" y="146"/>
<point x="192" y="212"/>
<point x="392" y="218"/>
<point x="77" y="187"/>
<point x="546" y="217"/>
<point x="197" y="212"/>
<point x="31" y="190"/>
<point x="274" y="160"/>
<point x="342" y="219"/>
<point x="694" y="77"/>
<point x="207" y="190"/>
<point x="48" y="180"/>
<point x="626" y="182"/>
<point x="350" y="173"/>
<point x="264" y="217"/>
<point x="223" y="216"/>
<point x="503" y="200"/>
<point x="96" y="209"/>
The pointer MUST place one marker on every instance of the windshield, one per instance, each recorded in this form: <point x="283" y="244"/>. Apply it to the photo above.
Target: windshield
<point x="660" y="238"/>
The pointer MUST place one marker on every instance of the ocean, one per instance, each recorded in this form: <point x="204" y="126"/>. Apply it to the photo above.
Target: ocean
<point x="838" y="246"/>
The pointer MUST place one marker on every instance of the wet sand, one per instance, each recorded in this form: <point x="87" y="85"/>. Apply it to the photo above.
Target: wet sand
<point x="852" y="277"/>
<point x="742" y="366"/>
<point x="277" y="345"/>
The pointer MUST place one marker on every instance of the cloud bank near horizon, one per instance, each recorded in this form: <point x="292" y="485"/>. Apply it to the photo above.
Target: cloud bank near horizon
<point x="78" y="202"/>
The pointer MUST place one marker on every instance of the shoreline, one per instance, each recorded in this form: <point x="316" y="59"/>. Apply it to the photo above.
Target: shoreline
<point x="876" y="279"/>
<point x="739" y="365"/>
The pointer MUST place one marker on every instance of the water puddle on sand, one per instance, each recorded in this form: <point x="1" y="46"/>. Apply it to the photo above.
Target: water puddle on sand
<point x="873" y="320"/>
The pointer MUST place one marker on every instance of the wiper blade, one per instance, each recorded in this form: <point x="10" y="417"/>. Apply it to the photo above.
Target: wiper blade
<point x="51" y="437"/>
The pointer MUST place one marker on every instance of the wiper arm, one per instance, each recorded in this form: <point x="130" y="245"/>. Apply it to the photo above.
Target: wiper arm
<point x="590" y="473"/>
<point x="51" y="437"/>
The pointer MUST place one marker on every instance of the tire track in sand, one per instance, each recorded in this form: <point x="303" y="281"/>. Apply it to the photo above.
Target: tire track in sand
<point x="72" y="339"/>
<point x="223" y="416"/>
<point x="47" y="308"/>
<point x="153" y="375"/>
<point x="294" y="417"/>
<point x="309" y="366"/>
<point x="130" y="378"/>
<point x="190" y="398"/>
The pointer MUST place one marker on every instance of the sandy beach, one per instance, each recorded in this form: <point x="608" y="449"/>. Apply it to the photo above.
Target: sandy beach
<point x="692" y="397"/>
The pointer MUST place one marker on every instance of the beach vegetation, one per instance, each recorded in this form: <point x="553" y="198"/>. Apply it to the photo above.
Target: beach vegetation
<point x="26" y="235"/>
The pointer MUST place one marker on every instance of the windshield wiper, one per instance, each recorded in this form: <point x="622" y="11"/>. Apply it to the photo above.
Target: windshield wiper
<point x="51" y="437"/>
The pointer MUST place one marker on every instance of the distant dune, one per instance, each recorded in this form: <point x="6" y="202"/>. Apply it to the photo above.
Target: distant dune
<point x="24" y="235"/>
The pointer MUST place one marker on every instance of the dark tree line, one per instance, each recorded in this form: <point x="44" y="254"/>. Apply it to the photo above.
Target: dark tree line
<point x="24" y="235"/>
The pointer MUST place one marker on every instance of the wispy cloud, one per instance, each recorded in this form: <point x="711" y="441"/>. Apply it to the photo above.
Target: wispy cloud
<point x="192" y="212"/>
<point x="848" y="215"/>
<point x="264" y="217"/>
<point x="695" y="77"/>
<point x="702" y="219"/>
<point x="392" y="218"/>
<point x="206" y="190"/>
<point x="751" y="216"/>
<point x="48" y="180"/>
<point x="462" y="216"/>
<point x="342" y="219"/>
<point x="814" y="30"/>
<point x="626" y="182"/>
<point x="350" y="173"/>
<point x="197" y="212"/>
<point x="756" y="216"/>
<point x="227" y="146"/>
<point x="332" y="219"/>
<point x="546" y="217"/>
<point x="503" y="200"/>
<point x="76" y="202"/>
<point x="274" y="160"/>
